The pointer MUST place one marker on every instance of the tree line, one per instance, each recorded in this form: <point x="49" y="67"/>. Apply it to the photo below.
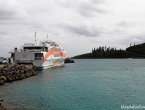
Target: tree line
<point x="136" y="51"/>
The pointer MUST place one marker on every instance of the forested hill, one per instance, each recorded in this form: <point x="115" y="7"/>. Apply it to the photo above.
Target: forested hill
<point x="136" y="51"/>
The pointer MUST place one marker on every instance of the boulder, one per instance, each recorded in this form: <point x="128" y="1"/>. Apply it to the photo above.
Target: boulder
<point x="10" y="73"/>
<point x="68" y="60"/>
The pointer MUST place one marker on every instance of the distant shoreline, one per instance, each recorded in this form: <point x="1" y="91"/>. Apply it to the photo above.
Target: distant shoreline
<point x="135" y="52"/>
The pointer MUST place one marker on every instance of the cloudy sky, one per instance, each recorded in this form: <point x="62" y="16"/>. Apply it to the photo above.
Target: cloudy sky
<point x="76" y="25"/>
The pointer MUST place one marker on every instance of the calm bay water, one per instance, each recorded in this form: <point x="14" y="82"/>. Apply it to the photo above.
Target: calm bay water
<point x="88" y="84"/>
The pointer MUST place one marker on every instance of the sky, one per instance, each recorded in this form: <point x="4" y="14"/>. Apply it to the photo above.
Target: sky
<point x="76" y="25"/>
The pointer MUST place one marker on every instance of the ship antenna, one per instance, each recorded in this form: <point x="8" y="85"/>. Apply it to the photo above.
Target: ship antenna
<point x="35" y="37"/>
<point x="47" y="37"/>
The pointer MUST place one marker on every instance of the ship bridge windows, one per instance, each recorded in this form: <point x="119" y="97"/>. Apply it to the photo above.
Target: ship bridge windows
<point x="36" y="49"/>
<point x="31" y="48"/>
<point x="56" y="49"/>
<point x="38" y="56"/>
<point x="57" y="55"/>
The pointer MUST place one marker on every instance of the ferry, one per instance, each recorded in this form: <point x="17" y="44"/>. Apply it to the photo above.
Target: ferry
<point x="46" y="54"/>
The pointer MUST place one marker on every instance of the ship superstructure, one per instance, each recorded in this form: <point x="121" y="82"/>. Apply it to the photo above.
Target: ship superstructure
<point x="46" y="54"/>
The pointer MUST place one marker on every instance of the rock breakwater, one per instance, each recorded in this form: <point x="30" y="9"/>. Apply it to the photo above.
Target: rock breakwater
<point x="11" y="72"/>
<point x="68" y="60"/>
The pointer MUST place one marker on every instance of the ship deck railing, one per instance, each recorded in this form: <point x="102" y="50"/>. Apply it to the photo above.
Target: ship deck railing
<point x="30" y="50"/>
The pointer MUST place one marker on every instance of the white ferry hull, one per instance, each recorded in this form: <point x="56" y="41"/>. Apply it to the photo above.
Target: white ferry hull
<point x="53" y="63"/>
<point x="43" y="56"/>
<point x="39" y="64"/>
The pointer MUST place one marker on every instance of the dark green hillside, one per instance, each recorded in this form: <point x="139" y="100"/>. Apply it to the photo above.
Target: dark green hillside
<point x="137" y="51"/>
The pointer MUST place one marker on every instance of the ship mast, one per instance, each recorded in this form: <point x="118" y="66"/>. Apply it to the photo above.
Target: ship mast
<point x="47" y="37"/>
<point x="35" y="38"/>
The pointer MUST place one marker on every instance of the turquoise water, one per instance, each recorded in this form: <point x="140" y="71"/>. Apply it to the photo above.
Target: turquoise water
<point x="88" y="84"/>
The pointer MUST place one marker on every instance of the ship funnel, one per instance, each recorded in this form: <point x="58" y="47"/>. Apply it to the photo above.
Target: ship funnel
<point x="15" y="49"/>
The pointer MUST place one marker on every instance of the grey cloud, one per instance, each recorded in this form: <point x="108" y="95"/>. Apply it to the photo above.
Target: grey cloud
<point x="136" y="39"/>
<point x="90" y="8"/>
<point x="86" y="8"/>
<point x="97" y="1"/>
<point x="121" y="27"/>
<point x="89" y="11"/>
<point x="3" y="33"/>
<point x="2" y="46"/>
<point x="124" y="24"/>
<point x="6" y="14"/>
<point x="10" y="10"/>
<point x="83" y="30"/>
<point x="117" y="31"/>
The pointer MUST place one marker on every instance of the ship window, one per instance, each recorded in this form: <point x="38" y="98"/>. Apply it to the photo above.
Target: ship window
<point x="32" y="48"/>
<point x="38" y="56"/>
<point x="12" y="55"/>
<point x="56" y="49"/>
<point x="46" y="49"/>
<point x="57" y="55"/>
